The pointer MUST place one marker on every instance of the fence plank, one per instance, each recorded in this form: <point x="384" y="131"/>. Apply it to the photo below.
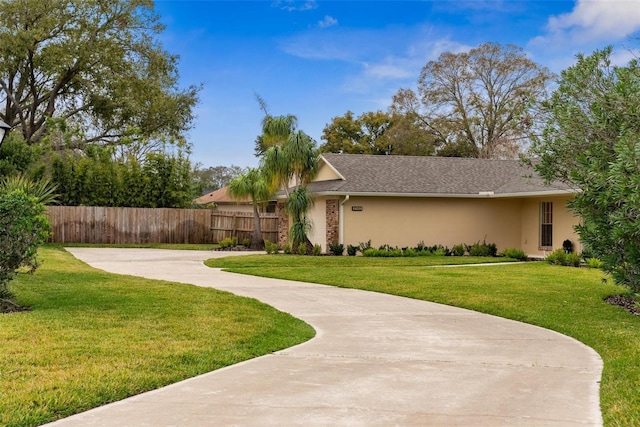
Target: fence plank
<point x="102" y="225"/>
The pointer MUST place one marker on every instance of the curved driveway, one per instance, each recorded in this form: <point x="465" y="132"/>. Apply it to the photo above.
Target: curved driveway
<point x="377" y="360"/>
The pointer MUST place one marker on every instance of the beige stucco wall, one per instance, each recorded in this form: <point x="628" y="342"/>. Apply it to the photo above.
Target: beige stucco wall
<point x="325" y="173"/>
<point x="563" y="223"/>
<point x="507" y="222"/>
<point x="317" y="215"/>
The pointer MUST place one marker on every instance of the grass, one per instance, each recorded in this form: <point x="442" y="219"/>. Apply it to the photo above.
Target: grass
<point x="565" y="299"/>
<point x="93" y="337"/>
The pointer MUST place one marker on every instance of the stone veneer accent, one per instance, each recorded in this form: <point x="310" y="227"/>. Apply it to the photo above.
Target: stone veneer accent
<point x="333" y="221"/>
<point x="283" y="225"/>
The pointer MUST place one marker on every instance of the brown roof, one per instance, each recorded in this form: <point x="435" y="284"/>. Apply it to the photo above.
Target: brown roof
<point x="220" y="196"/>
<point x="446" y="176"/>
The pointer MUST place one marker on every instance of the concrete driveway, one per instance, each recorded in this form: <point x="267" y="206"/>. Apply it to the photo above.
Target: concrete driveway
<point x="377" y="360"/>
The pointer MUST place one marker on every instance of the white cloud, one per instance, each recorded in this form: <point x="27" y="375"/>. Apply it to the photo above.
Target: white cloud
<point x="593" y="21"/>
<point x="294" y="5"/>
<point x="328" y="21"/>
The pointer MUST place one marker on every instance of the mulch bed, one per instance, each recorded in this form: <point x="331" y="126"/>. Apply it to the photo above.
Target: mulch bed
<point x="7" y="307"/>
<point x="628" y="303"/>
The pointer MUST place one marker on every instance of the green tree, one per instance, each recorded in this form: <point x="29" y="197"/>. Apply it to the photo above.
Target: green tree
<point x="365" y="134"/>
<point x="291" y="164"/>
<point x="255" y="185"/>
<point x="93" y="66"/>
<point x="592" y="142"/>
<point x="483" y="99"/>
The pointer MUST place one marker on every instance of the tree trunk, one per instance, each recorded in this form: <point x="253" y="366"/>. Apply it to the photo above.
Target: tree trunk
<point x="257" y="242"/>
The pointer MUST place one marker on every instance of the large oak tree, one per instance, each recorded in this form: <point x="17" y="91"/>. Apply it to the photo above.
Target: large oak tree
<point x="479" y="103"/>
<point x="90" y="68"/>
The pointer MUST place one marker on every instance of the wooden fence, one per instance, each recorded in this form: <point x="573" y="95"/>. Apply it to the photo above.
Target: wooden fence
<point x="100" y="225"/>
<point x="240" y="225"/>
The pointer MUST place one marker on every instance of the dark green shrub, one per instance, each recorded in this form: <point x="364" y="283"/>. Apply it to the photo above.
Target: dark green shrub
<point x="420" y="246"/>
<point x="352" y="250"/>
<point x="246" y="242"/>
<point x="24" y="228"/>
<point x="286" y="248"/>
<point x="483" y="249"/>
<point x="336" y="249"/>
<point x="560" y="257"/>
<point x="458" y="250"/>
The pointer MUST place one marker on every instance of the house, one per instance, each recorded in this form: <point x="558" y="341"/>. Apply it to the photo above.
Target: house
<point x="402" y="200"/>
<point x="220" y="200"/>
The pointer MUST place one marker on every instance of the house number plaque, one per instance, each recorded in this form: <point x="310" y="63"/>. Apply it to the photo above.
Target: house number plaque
<point x="357" y="208"/>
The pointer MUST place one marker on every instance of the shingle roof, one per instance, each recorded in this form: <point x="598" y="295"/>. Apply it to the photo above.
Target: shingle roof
<point x="220" y="196"/>
<point x="370" y="174"/>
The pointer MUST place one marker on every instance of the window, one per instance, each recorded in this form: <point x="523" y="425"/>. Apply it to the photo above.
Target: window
<point x="546" y="225"/>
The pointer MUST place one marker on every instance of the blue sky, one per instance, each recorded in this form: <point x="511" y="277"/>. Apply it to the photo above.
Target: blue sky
<point x="318" y="59"/>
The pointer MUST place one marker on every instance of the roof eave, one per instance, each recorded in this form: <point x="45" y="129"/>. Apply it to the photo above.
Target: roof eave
<point x="483" y="195"/>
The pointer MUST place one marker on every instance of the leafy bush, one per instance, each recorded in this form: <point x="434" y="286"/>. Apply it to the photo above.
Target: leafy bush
<point x="302" y="248"/>
<point x="441" y="251"/>
<point x="286" y="248"/>
<point x="364" y="246"/>
<point x="336" y="249"/>
<point x="228" y="242"/>
<point x="420" y="246"/>
<point x="24" y="228"/>
<point x="483" y="249"/>
<point x="560" y="257"/>
<point x="271" y="248"/>
<point x="317" y="250"/>
<point x="514" y="253"/>
<point x="557" y="257"/>
<point x="246" y="242"/>
<point x="458" y="250"/>
<point x="594" y="262"/>
<point x="352" y="250"/>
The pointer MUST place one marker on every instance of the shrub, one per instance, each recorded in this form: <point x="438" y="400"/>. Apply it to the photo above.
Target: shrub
<point x="364" y="246"/>
<point x="317" y="250"/>
<point x="557" y="257"/>
<point x="271" y="248"/>
<point x="286" y="248"/>
<point x="514" y="253"/>
<point x="483" y="249"/>
<point x="420" y="246"/>
<point x="24" y="228"/>
<point x="228" y="242"/>
<point x="352" y="250"/>
<point x="302" y="248"/>
<point x="458" y="250"/>
<point x="573" y="260"/>
<point x="593" y="262"/>
<point x="246" y="242"/>
<point x="336" y="249"/>
<point x="441" y="251"/>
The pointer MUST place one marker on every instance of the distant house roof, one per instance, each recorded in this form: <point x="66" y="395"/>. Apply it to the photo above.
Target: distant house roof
<point x="219" y="197"/>
<point x="431" y="176"/>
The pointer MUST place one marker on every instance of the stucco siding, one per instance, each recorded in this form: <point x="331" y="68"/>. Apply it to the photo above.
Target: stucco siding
<point x="563" y="222"/>
<point x="406" y="221"/>
<point x="325" y="173"/>
<point x="318" y="217"/>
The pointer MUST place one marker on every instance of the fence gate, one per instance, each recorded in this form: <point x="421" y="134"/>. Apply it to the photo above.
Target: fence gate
<point x="240" y="224"/>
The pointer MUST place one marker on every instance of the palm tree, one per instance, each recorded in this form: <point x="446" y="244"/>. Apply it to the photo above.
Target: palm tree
<point x="253" y="184"/>
<point x="291" y="164"/>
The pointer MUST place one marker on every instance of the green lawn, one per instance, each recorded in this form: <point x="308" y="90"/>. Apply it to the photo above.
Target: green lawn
<point x="93" y="337"/>
<point x="567" y="300"/>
